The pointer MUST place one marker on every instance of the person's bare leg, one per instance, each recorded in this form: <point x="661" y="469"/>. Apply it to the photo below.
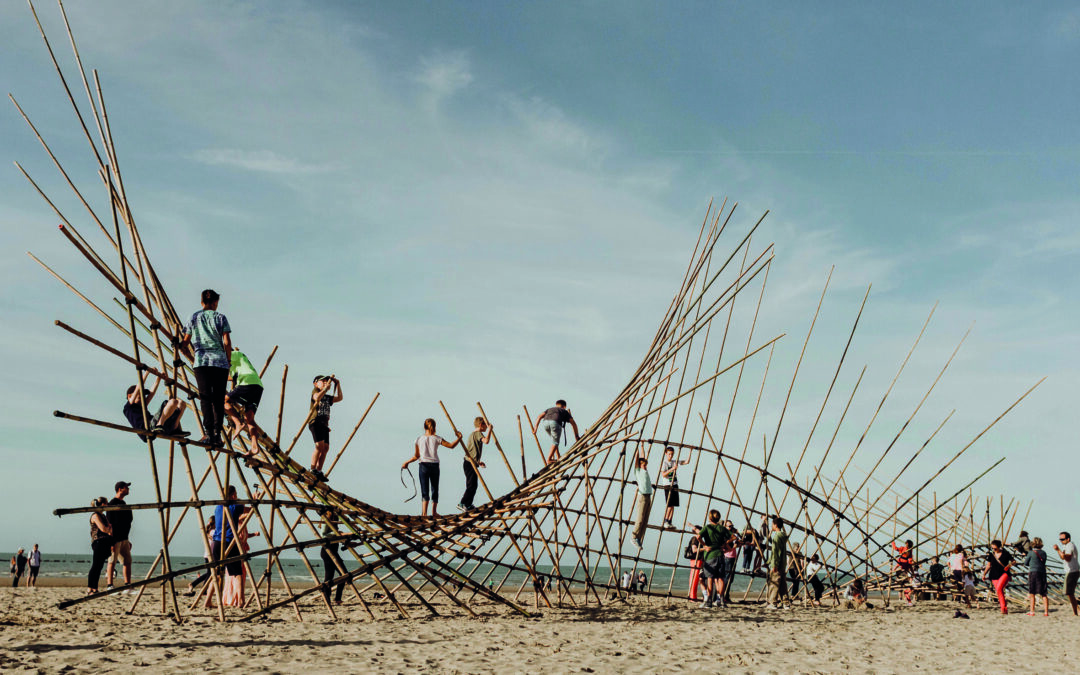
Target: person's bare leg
<point x="434" y="509"/>
<point x="127" y="565"/>
<point x="110" y="568"/>
<point x="1046" y="605"/>
<point x="1031" y="604"/>
<point x="423" y="508"/>
<point x="319" y="455"/>
<point x="249" y="424"/>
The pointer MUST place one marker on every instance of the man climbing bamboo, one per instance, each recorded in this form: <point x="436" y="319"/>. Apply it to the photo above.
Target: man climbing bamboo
<point x="554" y="421"/>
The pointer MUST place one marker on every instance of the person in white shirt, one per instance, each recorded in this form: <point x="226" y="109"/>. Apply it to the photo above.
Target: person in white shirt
<point x="1067" y="552"/>
<point x="670" y="482"/>
<point x="813" y="566"/>
<point x="34" y="563"/>
<point x="427" y="453"/>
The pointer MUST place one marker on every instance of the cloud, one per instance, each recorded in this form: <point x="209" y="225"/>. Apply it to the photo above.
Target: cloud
<point x="446" y="73"/>
<point x="265" y="161"/>
<point x="1066" y="26"/>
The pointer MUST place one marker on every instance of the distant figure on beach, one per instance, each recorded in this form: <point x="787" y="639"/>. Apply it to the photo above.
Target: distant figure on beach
<point x="644" y="497"/>
<point x="165" y="421"/>
<point x="247" y="392"/>
<point x="121" y="530"/>
<point x="967" y="582"/>
<point x="998" y="567"/>
<point x="794" y="572"/>
<point x="749" y="536"/>
<point x="642" y="582"/>
<point x="905" y="560"/>
<point x="427" y="453"/>
<point x="321" y="400"/>
<point x="695" y="554"/>
<point x="855" y="594"/>
<point x="100" y="543"/>
<point x="554" y="421"/>
<point x="18" y="566"/>
<point x="1036" y="564"/>
<point x="731" y="556"/>
<point x="813" y="566"/>
<point x="626" y="582"/>
<point x="208" y="534"/>
<point x="937" y="572"/>
<point x="957" y="562"/>
<point x="1023" y="544"/>
<point x="670" y="482"/>
<point x="714" y="537"/>
<point x="33" y="564"/>
<point x="474" y="450"/>
<point x="777" y="564"/>
<point x="333" y="566"/>
<point x="1067" y="552"/>
<point x="209" y="333"/>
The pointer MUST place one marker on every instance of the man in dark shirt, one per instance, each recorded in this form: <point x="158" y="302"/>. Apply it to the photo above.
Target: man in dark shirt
<point x="18" y="566"/>
<point x="555" y="420"/>
<point x="998" y="569"/>
<point x="167" y="418"/>
<point x="121" y="525"/>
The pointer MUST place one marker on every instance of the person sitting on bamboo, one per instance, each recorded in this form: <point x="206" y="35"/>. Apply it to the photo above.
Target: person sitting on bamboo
<point x="321" y="400"/>
<point x="165" y="421"/>
<point x="247" y="392"/>
<point x="474" y="448"/>
<point x="555" y="420"/>
<point x="427" y="453"/>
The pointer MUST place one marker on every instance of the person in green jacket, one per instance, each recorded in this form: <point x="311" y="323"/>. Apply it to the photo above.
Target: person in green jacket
<point x="714" y="538"/>
<point x="778" y="560"/>
<point x="247" y="392"/>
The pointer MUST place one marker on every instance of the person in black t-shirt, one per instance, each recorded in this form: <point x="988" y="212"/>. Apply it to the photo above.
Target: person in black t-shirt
<point x="121" y="529"/>
<point x="167" y="418"/>
<point x="998" y="568"/>
<point x="18" y="565"/>
<point x="321" y="400"/>
<point x="555" y="420"/>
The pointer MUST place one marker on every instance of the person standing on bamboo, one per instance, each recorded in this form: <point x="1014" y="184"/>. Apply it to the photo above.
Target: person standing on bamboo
<point x="1067" y="552"/>
<point x="247" y="392"/>
<point x="321" y="400"/>
<point x="474" y="449"/>
<point x="554" y="422"/>
<point x="670" y="482"/>
<point x="644" y="496"/>
<point x="998" y="567"/>
<point x="427" y="453"/>
<point x="121" y="531"/>
<point x="209" y="333"/>
<point x="777" y="564"/>
<point x="1036" y="564"/>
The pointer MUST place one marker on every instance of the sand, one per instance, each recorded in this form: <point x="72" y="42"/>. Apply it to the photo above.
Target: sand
<point x="644" y="635"/>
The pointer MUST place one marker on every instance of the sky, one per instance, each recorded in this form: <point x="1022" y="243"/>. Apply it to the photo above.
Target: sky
<point x="494" y="202"/>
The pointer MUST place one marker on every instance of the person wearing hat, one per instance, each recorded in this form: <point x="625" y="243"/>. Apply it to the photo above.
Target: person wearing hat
<point x="319" y="416"/>
<point x="121" y="529"/>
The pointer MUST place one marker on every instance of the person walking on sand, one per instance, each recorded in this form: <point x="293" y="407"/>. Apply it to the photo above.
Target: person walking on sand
<point x="209" y="333"/>
<point x="998" y="567"/>
<point x="247" y="392"/>
<point x="474" y="450"/>
<point x="714" y="537"/>
<point x="967" y="582"/>
<point x="121" y="530"/>
<point x="33" y="564"/>
<point x="100" y="543"/>
<point x="321" y="400"/>
<point x="670" y="482"/>
<point x="554" y="421"/>
<point x="777" y="564"/>
<point x="1067" y="552"/>
<point x="957" y="562"/>
<point x="165" y="421"/>
<point x="427" y="453"/>
<point x="644" y="496"/>
<point x="1036" y="564"/>
<point x="18" y="566"/>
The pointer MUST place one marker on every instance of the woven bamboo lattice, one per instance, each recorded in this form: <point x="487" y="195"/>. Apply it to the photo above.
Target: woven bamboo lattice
<point x="698" y="389"/>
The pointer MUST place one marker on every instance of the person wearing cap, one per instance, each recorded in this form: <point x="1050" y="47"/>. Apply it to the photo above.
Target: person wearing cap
<point x="319" y="426"/>
<point x="247" y="392"/>
<point x="209" y="333"/>
<point x="167" y="418"/>
<point x="121" y="529"/>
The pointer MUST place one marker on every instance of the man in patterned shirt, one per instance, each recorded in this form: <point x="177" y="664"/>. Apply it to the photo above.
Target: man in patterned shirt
<point x="208" y="332"/>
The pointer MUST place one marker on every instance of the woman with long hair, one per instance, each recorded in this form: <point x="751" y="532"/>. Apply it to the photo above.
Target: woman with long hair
<point x="100" y="543"/>
<point x="427" y="453"/>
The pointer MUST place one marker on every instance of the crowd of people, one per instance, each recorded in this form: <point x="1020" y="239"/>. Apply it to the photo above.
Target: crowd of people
<point x="26" y="563"/>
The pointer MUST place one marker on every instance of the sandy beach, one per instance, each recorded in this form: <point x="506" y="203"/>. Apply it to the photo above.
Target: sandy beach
<point x="643" y="635"/>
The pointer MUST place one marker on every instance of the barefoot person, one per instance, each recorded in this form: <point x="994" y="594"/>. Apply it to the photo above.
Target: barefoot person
<point x="777" y="564"/>
<point x="644" y="497"/>
<point x="554" y="421"/>
<point x="1067" y="552"/>
<point x="427" y="453"/>
<point x="1036" y="564"/>
<point x="474" y="449"/>
<point x="247" y="392"/>
<point x="209" y="333"/>
<point x="670" y="482"/>
<point x="18" y="566"/>
<point x="321" y="400"/>
<point x="167" y="418"/>
<point x="714" y="537"/>
<point x="121" y="529"/>
<point x="33" y="563"/>
<point x="100" y="544"/>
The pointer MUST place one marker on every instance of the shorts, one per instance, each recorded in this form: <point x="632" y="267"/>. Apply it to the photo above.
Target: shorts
<point x="1037" y="583"/>
<point x="247" y="395"/>
<point x="712" y="569"/>
<point x="320" y="430"/>
<point x="671" y="495"/>
<point x="34" y="571"/>
<point x="1070" y="582"/>
<point x="121" y="550"/>
<point x="553" y="429"/>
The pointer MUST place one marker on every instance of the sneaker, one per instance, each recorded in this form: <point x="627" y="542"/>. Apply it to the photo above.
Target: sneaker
<point x="181" y="433"/>
<point x="771" y="606"/>
<point x="637" y="542"/>
<point x="706" y="605"/>
<point x="109" y="587"/>
<point x="462" y="507"/>
<point x="205" y="440"/>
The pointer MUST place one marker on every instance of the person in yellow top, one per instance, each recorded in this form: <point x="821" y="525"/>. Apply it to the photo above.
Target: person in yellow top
<point x="247" y="392"/>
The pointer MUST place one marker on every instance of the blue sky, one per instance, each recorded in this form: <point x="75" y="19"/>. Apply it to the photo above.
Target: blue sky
<point x="494" y="202"/>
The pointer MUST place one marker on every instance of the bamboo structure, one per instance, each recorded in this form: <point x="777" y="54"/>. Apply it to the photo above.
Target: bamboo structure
<point x="701" y="390"/>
